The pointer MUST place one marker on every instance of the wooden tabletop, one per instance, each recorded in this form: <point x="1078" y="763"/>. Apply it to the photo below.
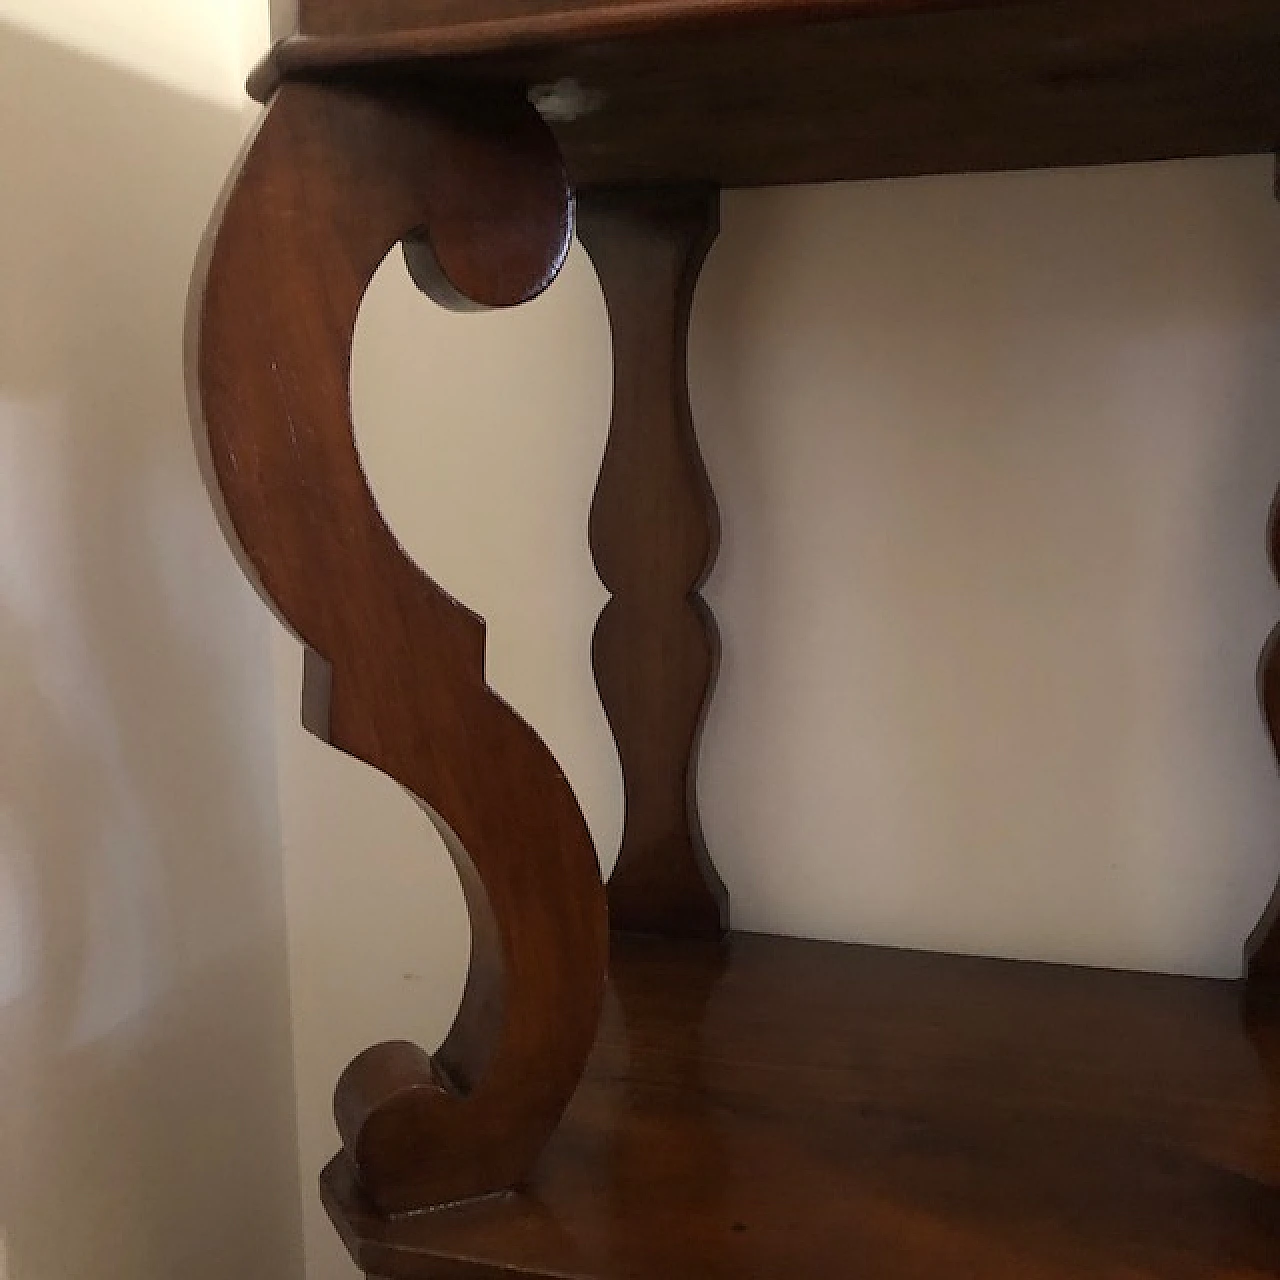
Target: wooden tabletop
<point x="750" y="92"/>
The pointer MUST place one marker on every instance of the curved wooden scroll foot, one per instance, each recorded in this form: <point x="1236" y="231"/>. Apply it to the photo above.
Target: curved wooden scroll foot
<point x="334" y="178"/>
<point x="654" y="534"/>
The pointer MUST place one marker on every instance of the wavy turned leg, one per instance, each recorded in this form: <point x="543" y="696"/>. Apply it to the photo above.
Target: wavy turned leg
<point x="1262" y="951"/>
<point x="654" y="535"/>
<point x="334" y="178"/>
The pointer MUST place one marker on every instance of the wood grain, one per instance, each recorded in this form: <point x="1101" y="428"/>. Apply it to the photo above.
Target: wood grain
<point x="395" y="668"/>
<point x="750" y="92"/>
<point x="655" y="530"/>
<point x="781" y="1110"/>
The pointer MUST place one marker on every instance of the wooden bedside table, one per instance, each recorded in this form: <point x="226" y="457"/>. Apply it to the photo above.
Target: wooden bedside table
<point x="732" y="1105"/>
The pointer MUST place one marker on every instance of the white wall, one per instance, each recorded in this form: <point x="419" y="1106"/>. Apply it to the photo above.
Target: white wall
<point x="146" y="1105"/>
<point x="995" y="456"/>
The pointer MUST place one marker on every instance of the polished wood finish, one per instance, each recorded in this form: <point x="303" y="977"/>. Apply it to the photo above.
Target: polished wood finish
<point x="748" y="92"/>
<point x="654" y="534"/>
<point x="754" y="1108"/>
<point x="395" y="668"/>
<point x="781" y="1110"/>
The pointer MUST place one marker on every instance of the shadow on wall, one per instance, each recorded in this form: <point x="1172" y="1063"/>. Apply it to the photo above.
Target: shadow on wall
<point x="146" y="1109"/>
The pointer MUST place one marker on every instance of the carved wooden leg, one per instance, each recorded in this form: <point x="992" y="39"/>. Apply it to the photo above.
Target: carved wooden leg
<point x="334" y="178"/>
<point x="654" y="534"/>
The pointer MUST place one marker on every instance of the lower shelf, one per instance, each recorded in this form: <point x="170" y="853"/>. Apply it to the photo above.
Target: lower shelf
<point x="786" y="1110"/>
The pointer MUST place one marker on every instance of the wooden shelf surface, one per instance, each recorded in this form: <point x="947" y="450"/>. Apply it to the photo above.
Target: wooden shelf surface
<point x="787" y="1110"/>
<point x="750" y="92"/>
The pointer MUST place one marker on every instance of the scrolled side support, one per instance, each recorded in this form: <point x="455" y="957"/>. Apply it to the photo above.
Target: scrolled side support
<point x="334" y="178"/>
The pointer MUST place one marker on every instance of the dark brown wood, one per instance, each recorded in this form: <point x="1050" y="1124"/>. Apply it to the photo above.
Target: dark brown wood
<point x="830" y="1111"/>
<point x="395" y="669"/>
<point x="1262" y="951"/>
<point x="654" y="534"/>
<point x="401" y="18"/>
<point x="748" y="92"/>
